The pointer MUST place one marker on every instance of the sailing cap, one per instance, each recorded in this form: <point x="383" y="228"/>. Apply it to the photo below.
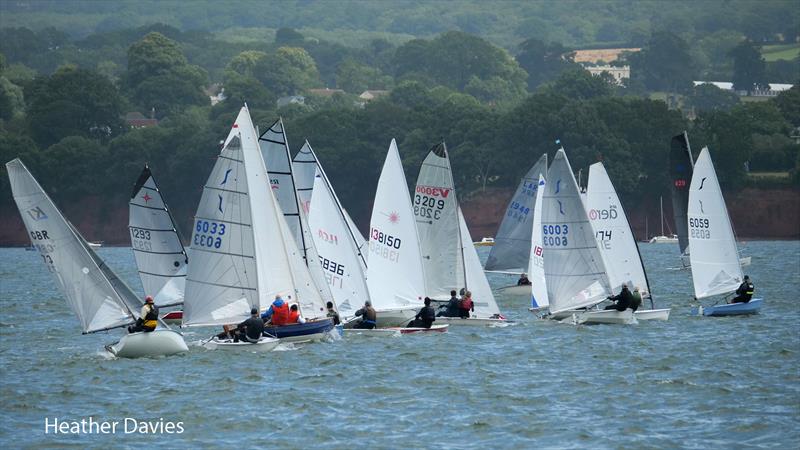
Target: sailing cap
<point x="149" y="299"/>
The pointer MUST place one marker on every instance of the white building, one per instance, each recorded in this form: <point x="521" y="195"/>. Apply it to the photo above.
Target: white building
<point x="618" y="73"/>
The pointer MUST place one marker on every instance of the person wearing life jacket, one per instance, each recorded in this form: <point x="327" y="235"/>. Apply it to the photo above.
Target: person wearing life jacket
<point x="250" y="330"/>
<point x="278" y="312"/>
<point x="333" y="314"/>
<point x="369" y="318"/>
<point x="425" y="317"/>
<point x="745" y="291"/>
<point x="523" y="280"/>
<point x="148" y="317"/>
<point x="467" y="305"/>
<point x="636" y="299"/>
<point x="453" y="307"/>
<point x="623" y="299"/>
<point x="294" y="315"/>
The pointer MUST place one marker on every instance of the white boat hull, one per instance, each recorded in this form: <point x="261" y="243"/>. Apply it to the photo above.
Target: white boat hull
<point x="472" y="321"/>
<point x="652" y="314"/>
<point x="395" y="317"/>
<point x="144" y="344"/>
<point x="664" y="240"/>
<point x="595" y="317"/>
<point x="743" y="261"/>
<point x="515" y="290"/>
<point x="265" y="344"/>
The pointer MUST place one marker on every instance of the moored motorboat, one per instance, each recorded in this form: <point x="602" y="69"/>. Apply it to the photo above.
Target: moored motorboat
<point x="142" y="344"/>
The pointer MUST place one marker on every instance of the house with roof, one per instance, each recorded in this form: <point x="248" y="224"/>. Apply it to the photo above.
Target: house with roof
<point x="372" y="94"/>
<point x="135" y="119"/>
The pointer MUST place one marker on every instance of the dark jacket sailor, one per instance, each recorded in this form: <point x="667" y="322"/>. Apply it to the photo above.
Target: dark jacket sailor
<point x="250" y="330"/>
<point x="453" y="307"/>
<point x="745" y="291"/>
<point x="425" y="317"/>
<point x="623" y="300"/>
<point x="148" y="317"/>
<point x="333" y="314"/>
<point x="368" y="315"/>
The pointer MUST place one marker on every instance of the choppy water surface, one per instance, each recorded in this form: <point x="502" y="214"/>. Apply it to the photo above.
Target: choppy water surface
<point x="690" y="382"/>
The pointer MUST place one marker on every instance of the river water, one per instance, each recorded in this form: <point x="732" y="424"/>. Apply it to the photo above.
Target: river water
<point x="686" y="383"/>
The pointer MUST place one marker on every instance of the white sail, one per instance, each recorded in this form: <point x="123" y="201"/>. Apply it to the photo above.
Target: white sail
<point x="512" y="244"/>
<point x="98" y="303"/>
<point x="394" y="276"/>
<point x="306" y="167"/>
<point x="574" y="268"/>
<point x="341" y="261"/>
<point x="160" y="256"/>
<point x="712" y="245"/>
<point x="242" y="250"/>
<point x="436" y="211"/>
<point x="482" y="296"/>
<point x="275" y="150"/>
<point x="613" y="232"/>
<point x="539" y="297"/>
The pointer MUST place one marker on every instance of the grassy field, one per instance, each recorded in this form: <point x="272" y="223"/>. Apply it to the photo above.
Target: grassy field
<point x="776" y="52"/>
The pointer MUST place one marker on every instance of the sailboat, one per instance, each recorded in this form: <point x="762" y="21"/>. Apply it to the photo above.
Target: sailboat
<point x="445" y="244"/>
<point x="395" y="279"/>
<point x="714" y="257"/>
<point x="338" y="242"/>
<point x="615" y="240"/>
<point x="275" y="150"/>
<point x="663" y="239"/>
<point x="512" y="249"/>
<point x="160" y="256"/>
<point x="575" y="272"/>
<point x="100" y="299"/>
<point x="539" y="299"/>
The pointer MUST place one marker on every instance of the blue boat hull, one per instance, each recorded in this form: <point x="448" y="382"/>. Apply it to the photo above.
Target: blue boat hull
<point x="300" y="331"/>
<point x="734" y="309"/>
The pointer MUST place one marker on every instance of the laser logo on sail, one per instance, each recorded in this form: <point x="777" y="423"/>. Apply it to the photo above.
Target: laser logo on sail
<point x="37" y="213"/>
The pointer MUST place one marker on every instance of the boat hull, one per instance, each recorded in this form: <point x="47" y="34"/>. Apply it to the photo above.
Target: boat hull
<point x="265" y="344"/>
<point x="472" y="321"/>
<point x="652" y="314"/>
<point x="442" y="328"/>
<point x="173" y="317"/>
<point x="313" y="330"/>
<point x="154" y="343"/>
<point x="516" y="290"/>
<point x="686" y="262"/>
<point x="595" y="317"/>
<point x="388" y="318"/>
<point x="730" y="309"/>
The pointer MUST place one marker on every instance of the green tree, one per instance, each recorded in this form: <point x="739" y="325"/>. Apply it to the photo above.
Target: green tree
<point x="354" y="77"/>
<point x="544" y="62"/>
<point x="579" y="84"/>
<point x="707" y="97"/>
<point x="664" y="64"/>
<point x="73" y="102"/>
<point x="155" y="54"/>
<point x="788" y="102"/>
<point x="288" y="71"/>
<point x="288" y="37"/>
<point x="749" y="68"/>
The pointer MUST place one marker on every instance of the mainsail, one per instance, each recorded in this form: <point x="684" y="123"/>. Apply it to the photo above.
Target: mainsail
<point x="243" y="252"/>
<point x="539" y="297"/>
<point x="613" y="232"/>
<point x="574" y="269"/>
<point x="714" y="257"/>
<point x="512" y="244"/>
<point x="275" y="151"/>
<point x="394" y="276"/>
<point x="98" y="303"/>
<point x="680" y="171"/>
<point x="436" y="211"/>
<point x="160" y="256"/>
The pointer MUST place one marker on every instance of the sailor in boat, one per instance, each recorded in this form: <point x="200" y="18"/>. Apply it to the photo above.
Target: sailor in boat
<point x="523" y="280"/>
<point x="278" y="312"/>
<point x="453" y="307"/>
<point x="636" y="299"/>
<point x="250" y="330"/>
<point x="333" y="314"/>
<point x="294" y="315"/>
<point x="467" y="305"/>
<point x="744" y="292"/>
<point x="623" y="299"/>
<point x="425" y="317"/>
<point x="148" y="319"/>
<point x="368" y="317"/>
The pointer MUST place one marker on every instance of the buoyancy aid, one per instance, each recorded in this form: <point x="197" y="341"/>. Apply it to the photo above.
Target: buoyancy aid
<point x="466" y="303"/>
<point x="370" y="314"/>
<point x="151" y="318"/>
<point x="293" y="316"/>
<point x="280" y="314"/>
